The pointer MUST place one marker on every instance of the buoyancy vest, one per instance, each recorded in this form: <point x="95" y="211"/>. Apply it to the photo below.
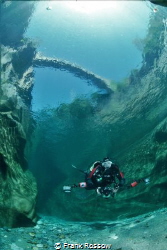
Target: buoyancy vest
<point x="92" y="172"/>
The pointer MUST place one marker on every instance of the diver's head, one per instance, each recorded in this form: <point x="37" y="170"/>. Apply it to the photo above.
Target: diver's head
<point x="106" y="162"/>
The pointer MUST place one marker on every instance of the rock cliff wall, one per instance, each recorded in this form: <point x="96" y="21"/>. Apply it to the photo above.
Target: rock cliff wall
<point x="18" y="186"/>
<point x="41" y="61"/>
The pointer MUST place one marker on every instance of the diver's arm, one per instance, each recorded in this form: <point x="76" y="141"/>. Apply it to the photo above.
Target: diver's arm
<point x="68" y="189"/>
<point x="119" y="175"/>
<point x="135" y="183"/>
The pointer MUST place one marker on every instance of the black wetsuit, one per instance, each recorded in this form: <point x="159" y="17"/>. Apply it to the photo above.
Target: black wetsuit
<point x="102" y="177"/>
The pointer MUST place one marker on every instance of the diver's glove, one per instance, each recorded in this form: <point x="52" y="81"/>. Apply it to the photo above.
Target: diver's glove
<point x="146" y="180"/>
<point x="74" y="186"/>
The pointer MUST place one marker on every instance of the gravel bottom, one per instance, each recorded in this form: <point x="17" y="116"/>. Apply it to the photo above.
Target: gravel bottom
<point x="145" y="232"/>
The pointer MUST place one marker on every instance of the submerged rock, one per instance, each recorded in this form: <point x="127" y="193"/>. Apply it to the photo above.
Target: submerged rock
<point x="18" y="186"/>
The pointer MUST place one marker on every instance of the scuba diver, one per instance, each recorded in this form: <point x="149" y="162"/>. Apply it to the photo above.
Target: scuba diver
<point x="105" y="177"/>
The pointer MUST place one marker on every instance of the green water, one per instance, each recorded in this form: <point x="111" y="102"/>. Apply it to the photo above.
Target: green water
<point x="122" y="126"/>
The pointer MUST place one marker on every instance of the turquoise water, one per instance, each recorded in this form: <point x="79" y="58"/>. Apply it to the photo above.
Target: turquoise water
<point x="99" y="40"/>
<point x="76" y="124"/>
<point x="98" y="36"/>
<point x="53" y="88"/>
<point x="74" y="121"/>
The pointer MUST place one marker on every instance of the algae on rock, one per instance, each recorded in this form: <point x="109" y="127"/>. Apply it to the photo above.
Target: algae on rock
<point x="18" y="186"/>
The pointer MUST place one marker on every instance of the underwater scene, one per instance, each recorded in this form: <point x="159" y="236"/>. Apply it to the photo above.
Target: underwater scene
<point x="83" y="125"/>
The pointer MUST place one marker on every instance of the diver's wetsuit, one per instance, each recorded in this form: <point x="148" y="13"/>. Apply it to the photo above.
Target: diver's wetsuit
<point x="102" y="177"/>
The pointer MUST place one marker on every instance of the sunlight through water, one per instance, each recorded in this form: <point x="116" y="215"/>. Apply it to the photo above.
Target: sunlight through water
<point x="93" y="7"/>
